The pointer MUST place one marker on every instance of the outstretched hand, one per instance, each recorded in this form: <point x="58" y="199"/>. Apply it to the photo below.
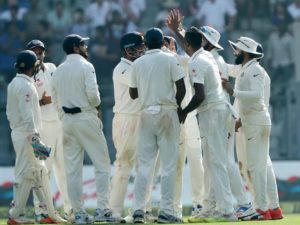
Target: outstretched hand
<point x="174" y="19"/>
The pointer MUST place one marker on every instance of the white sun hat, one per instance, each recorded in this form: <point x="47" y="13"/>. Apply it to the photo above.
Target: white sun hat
<point x="247" y="45"/>
<point x="212" y="36"/>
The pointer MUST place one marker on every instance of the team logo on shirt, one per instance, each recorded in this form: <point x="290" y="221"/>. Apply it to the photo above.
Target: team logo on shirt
<point x="27" y="98"/>
<point x="123" y="71"/>
<point x="194" y="72"/>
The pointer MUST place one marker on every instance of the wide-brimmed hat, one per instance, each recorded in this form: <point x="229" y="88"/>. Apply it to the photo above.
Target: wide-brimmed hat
<point x="247" y="45"/>
<point x="212" y="36"/>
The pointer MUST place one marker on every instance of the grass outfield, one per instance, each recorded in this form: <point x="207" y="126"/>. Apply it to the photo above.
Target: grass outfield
<point x="290" y="219"/>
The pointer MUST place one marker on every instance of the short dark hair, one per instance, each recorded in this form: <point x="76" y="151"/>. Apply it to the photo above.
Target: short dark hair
<point x="193" y="37"/>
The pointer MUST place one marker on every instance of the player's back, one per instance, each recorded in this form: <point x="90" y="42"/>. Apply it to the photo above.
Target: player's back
<point x="75" y="83"/>
<point x="155" y="74"/>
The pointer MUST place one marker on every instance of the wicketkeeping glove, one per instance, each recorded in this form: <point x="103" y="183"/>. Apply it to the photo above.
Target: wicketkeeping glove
<point x="41" y="151"/>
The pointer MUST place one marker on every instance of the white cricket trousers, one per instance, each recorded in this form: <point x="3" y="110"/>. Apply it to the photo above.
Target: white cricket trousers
<point x="236" y="182"/>
<point x="271" y="185"/>
<point x="28" y="173"/>
<point x="157" y="131"/>
<point x="213" y="131"/>
<point x="83" y="132"/>
<point x="52" y="135"/>
<point x="125" y="133"/>
<point x="190" y="148"/>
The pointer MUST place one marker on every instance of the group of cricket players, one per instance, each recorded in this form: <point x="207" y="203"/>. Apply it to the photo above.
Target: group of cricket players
<point x="168" y="108"/>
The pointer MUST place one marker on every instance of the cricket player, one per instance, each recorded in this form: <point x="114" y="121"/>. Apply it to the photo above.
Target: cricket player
<point x="213" y="113"/>
<point x="255" y="119"/>
<point x="272" y="192"/>
<point x="76" y="94"/>
<point x="210" y="39"/>
<point x="190" y="144"/>
<point x="24" y="116"/>
<point x="126" y="119"/>
<point x="153" y="78"/>
<point x="51" y="133"/>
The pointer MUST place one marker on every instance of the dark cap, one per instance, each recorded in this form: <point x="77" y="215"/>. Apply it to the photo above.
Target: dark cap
<point x="154" y="36"/>
<point x="35" y="43"/>
<point x="131" y="39"/>
<point x="26" y="59"/>
<point x="73" y="40"/>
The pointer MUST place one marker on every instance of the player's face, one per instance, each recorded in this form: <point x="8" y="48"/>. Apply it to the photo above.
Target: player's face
<point x="83" y="50"/>
<point x="240" y="56"/>
<point x="204" y="42"/>
<point x="172" y="46"/>
<point x="40" y="53"/>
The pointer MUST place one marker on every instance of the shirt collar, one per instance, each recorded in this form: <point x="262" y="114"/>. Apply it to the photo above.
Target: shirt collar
<point x="75" y="57"/>
<point x="197" y="53"/>
<point x="126" y="61"/>
<point x="25" y="76"/>
<point x="214" y="52"/>
<point x="250" y="63"/>
<point x="153" y="51"/>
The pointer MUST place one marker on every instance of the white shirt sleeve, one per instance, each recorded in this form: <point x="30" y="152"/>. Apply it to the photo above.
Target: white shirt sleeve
<point x="256" y="87"/>
<point x="197" y="72"/>
<point x="26" y="106"/>
<point x="132" y="78"/>
<point x="91" y="86"/>
<point x="176" y="69"/>
<point x="124" y="77"/>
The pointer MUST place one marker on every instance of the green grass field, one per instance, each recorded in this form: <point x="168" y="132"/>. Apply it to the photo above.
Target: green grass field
<point x="290" y="219"/>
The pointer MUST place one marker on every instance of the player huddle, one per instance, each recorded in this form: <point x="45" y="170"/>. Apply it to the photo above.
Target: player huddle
<point x="168" y="107"/>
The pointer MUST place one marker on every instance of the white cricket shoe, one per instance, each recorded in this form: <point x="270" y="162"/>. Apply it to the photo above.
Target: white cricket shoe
<point x="83" y="218"/>
<point x="167" y="218"/>
<point x="245" y="211"/>
<point x="127" y="219"/>
<point x="221" y="217"/>
<point x="196" y="209"/>
<point x="201" y="216"/>
<point x="106" y="215"/>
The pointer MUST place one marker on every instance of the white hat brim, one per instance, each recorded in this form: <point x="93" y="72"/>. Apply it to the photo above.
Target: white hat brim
<point x="213" y="42"/>
<point x="234" y="46"/>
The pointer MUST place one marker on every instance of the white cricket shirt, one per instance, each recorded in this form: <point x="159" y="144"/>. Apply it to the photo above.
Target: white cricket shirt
<point x="121" y="78"/>
<point x="250" y="92"/>
<point x="154" y="75"/>
<point x="222" y="69"/>
<point x="75" y="84"/>
<point x="203" y="69"/>
<point x="43" y="82"/>
<point x="22" y="109"/>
